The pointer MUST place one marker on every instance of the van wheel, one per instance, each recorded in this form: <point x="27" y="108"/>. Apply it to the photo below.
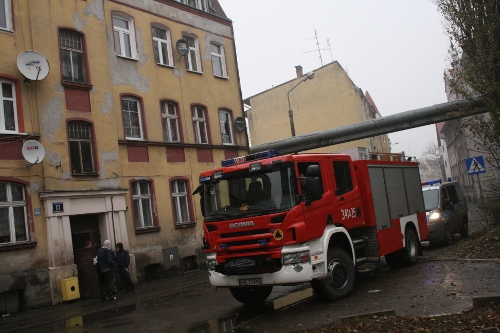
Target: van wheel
<point x="408" y="255"/>
<point x="251" y="295"/>
<point x="448" y="236"/>
<point x="464" y="232"/>
<point x="339" y="280"/>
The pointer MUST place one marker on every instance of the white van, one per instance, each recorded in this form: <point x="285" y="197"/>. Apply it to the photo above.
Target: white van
<point x="446" y="211"/>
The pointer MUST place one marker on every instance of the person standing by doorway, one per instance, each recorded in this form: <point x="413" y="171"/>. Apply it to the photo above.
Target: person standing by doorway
<point x="107" y="266"/>
<point x="122" y="263"/>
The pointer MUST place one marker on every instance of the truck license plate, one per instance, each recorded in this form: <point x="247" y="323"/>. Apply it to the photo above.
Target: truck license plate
<point x="250" y="282"/>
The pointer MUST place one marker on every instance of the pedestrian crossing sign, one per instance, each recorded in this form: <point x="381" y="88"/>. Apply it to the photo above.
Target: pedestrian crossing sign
<point x="475" y="165"/>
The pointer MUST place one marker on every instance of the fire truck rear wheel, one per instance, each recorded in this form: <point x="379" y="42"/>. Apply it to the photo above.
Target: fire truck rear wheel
<point x="340" y="276"/>
<point x="251" y="295"/>
<point x="408" y="255"/>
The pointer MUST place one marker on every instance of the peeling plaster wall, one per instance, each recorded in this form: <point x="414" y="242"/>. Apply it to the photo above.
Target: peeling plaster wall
<point x="95" y="8"/>
<point x="125" y="71"/>
<point x="51" y="118"/>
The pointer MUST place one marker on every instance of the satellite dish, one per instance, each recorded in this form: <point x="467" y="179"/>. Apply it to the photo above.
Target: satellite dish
<point x="33" y="65"/>
<point x="33" y="152"/>
<point x="240" y="124"/>
<point x="182" y="47"/>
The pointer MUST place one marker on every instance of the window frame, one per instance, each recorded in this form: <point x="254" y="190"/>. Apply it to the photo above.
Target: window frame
<point x="14" y="100"/>
<point x="229" y="121"/>
<point x="85" y="68"/>
<point x="130" y="31"/>
<point x="195" y="48"/>
<point x="10" y="204"/>
<point x="157" y="43"/>
<point x="222" y="58"/>
<point x="139" y="225"/>
<point x="166" y="124"/>
<point x="197" y="122"/>
<point x="9" y="21"/>
<point x="203" y="5"/>
<point x="176" y="197"/>
<point x="140" y="117"/>
<point x="91" y="141"/>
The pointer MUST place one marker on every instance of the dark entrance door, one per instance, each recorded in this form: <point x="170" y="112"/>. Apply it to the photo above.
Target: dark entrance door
<point x="86" y="242"/>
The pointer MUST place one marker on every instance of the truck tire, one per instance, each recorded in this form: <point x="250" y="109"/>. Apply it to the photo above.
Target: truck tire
<point x="340" y="276"/>
<point x="251" y="295"/>
<point x="448" y="236"/>
<point x="408" y="255"/>
<point x="464" y="231"/>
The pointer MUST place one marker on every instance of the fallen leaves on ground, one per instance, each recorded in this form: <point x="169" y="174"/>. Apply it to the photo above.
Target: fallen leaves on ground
<point x="485" y="319"/>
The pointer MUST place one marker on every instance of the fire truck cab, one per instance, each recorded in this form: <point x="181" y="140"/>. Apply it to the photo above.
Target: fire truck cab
<point x="280" y="220"/>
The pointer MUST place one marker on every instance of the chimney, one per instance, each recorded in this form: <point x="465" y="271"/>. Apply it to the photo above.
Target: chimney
<point x="298" y="70"/>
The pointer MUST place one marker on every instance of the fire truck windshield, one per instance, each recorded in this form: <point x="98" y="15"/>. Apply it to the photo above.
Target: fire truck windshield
<point x="244" y="193"/>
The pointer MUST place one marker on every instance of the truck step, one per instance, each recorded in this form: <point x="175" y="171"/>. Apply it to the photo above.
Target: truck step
<point x="360" y="260"/>
<point x="357" y="241"/>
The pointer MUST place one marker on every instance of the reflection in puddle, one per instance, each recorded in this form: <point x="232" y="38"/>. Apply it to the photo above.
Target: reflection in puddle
<point x="98" y="316"/>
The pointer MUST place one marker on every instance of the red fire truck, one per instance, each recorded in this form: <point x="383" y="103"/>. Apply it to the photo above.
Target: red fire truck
<point x="283" y="220"/>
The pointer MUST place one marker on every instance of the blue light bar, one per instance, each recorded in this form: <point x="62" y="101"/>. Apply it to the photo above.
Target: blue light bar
<point x="204" y="179"/>
<point x="432" y="182"/>
<point x="248" y="158"/>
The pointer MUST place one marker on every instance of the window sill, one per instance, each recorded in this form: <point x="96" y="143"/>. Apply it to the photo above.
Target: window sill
<point x="136" y="139"/>
<point x="222" y="77"/>
<point x="124" y="57"/>
<point x="147" y="230"/>
<point x="167" y="66"/>
<point x="185" y="225"/>
<point x="81" y="175"/>
<point x="17" y="246"/>
<point x="194" y="72"/>
<point x="75" y="85"/>
<point x="7" y="30"/>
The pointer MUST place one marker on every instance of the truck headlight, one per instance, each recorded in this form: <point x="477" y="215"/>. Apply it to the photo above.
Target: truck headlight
<point x="296" y="257"/>
<point x="434" y="215"/>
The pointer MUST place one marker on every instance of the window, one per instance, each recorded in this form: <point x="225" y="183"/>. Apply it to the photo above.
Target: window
<point x="81" y="148"/>
<point x="8" y="112"/>
<point x="132" y="118"/>
<point x="124" y="37"/>
<point x="218" y="60"/>
<point x="72" y="56"/>
<point x="200" y="124"/>
<point x="198" y="4"/>
<point x="343" y="179"/>
<point x="13" y="219"/>
<point x="180" y="202"/>
<point x="170" y="122"/>
<point x="141" y="197"/>
<point x="226" y="128"/>
<point x="193" y="57"/>
<point x="5" y="15"/>
<point x="162" y="46"/>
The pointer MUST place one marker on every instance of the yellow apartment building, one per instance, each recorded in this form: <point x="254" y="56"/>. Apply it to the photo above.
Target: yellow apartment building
<point x="129" y="101"/>
<point x="327" y="100"/>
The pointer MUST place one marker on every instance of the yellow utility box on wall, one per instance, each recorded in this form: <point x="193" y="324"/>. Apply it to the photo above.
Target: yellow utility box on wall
<point x="70" y="288"/>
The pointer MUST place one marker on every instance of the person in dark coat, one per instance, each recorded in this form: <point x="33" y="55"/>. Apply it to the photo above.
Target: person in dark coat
<point x="122" y="263"/>
<point x="107" y="265"/>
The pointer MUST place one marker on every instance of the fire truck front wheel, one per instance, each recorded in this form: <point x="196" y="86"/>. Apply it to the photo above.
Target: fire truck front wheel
<point x="340" y="276"/>
<point x="251" y="295"/>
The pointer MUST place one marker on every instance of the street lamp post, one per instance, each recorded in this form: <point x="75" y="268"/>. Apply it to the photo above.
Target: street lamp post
<point x="308" y="76"/>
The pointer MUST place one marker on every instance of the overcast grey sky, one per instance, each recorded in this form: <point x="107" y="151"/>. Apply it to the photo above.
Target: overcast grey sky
<point x="394" y="49"/>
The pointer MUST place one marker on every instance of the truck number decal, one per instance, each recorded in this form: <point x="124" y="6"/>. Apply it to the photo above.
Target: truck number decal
<point x="348" y="213"/>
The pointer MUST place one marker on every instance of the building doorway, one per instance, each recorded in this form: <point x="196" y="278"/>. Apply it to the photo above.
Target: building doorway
<point x="86" y="242"/>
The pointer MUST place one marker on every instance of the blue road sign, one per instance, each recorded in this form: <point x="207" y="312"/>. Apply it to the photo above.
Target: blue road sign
<point x="475" y="165"/>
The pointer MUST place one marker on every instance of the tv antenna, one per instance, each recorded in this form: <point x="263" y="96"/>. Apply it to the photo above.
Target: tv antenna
<point x="317" y="44"/>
